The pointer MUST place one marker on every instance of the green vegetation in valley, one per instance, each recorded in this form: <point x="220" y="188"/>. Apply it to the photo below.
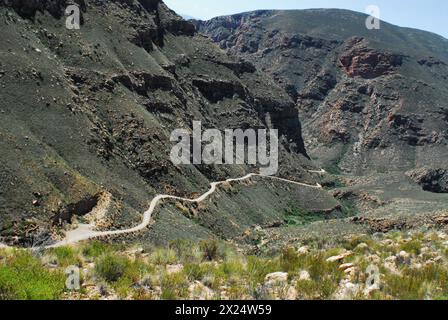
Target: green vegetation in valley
<point x="297" y="216"/>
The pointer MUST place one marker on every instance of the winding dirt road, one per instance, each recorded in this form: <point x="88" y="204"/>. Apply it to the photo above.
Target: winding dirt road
<point x="85" y="232"/>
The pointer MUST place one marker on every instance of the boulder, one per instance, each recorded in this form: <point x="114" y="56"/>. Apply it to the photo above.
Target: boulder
<point x="340" y="257"/>
<point x="198" y="291"/>
<point x="304" y="276"/>
<point x="362" y="247"/>
<point x="276" y="277"/>
<point x="276" y="287"/>
<point x="171" y="269"/>
<point x="390" y="264"/>
<point x="303" y="250"/>
<point x="347" y="290"/>
<point x="403" y="258"/>
<point x="346" y="266"/>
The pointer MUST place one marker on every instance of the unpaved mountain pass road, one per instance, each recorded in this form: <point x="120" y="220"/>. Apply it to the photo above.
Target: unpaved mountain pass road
<point x="85" y="232"/>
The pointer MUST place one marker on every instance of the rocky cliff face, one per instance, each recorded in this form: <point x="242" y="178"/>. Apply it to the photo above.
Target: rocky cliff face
<point x="370" y="100"/>
<point x="432" y="180"/>
<point x="86" y="115"/>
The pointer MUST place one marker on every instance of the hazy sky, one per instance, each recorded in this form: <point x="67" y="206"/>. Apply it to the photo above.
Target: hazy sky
<point x="430" y="15"/>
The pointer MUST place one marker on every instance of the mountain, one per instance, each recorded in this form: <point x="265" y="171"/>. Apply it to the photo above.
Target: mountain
<point x="369" y="100"/>
<point x="86" y="119"/>
<point x="187" y="16"/>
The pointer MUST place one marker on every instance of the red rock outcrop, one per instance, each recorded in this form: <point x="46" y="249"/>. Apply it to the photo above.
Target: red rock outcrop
<point x="360" y="60"/>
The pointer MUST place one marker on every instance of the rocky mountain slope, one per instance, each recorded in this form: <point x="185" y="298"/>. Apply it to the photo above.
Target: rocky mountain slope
<point x="86" y="116"/>
<point x="369" y="100"/>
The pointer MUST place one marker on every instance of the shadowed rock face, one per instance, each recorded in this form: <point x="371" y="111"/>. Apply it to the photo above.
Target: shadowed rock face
<point x="433" y="180"/>
<point x="92" y="110"/>
<point x="369" y="100"/>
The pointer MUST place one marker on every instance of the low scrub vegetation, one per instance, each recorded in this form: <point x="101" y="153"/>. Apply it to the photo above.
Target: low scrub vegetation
<point x="384" y="266"/>
<point x="23" y="277"/>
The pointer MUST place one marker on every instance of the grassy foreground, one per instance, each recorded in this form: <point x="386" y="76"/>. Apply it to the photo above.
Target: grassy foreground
<point x="392" y="266"/>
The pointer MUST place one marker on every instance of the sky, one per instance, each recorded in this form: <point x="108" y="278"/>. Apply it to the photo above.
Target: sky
<point x="429" y="15"/>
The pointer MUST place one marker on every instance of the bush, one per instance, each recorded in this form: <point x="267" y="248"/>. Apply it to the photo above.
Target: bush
<point x="413" y="246"/>
<point x="197" y="271"/>
<point x="231" y="269"/>
<point x="111" y="268"/>
<point x="414" y="283"/>
<point x="23" y="277"/>
<point x="187" y="251"/>
<point x="289" y="260"/>
<point x="404" y="288"/>
<point x="174" y="286"/>
<point x="319" y="268"/>
<point x="163" y="256"/>
<point x="95" y="249"/>
<point x="210" y="249"/>
<point x="66" y="256"/>
<point x="258" y="268"/>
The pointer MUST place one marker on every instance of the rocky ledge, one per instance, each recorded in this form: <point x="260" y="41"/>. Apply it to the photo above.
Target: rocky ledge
<point x="433" y="180"/>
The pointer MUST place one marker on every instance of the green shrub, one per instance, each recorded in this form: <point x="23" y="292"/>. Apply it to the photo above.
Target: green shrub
<point x="22" y="277"/>
<point x="414" y="284"/>
<point x="187" y="251"/>
<point x="320" y="269"/>
<point x="289" y="260"/>
<point x="308" y="290"/>
<point x="135" y="270"/>
<point x="122" y="287"/>
<point x="299" y="216"/>
<point x="348" y="209"/>
<point x="174" y="286"/>
<point x="66" y="256"/>
<point x="231" y="269"/>
<point x="197" y="271"/>
<point x="413" y="246"/>
<point x="441" y="297"/>
<point x="323" y="288"/>
<point x="163" y="256"/>
<point x="333" y="168"/>
<point x="111" y="267"/>
<point x="404" y="287"/>
<point x="353" y="242"/>
<point x="258" y="268"/>
<point x="121" y="271"/>
<point x="96" y="249"/>
<point x="210" y="249"/>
